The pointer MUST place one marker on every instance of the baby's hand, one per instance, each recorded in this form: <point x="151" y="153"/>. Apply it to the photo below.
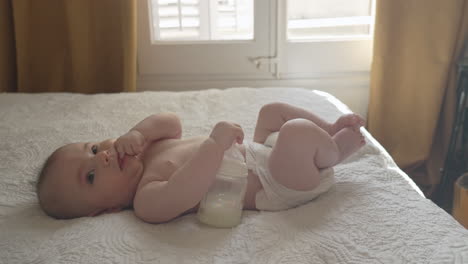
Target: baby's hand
<point x="131" y="143"/>
<point x="225" y="133"/>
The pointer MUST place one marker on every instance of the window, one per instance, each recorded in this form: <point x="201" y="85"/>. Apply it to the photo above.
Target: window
<point x="329" y="19"/>
<point x="326" y="38"/>
<point x="202" y="19"/>
<point x="191" y="41"/>
<point x="203" y="50"/>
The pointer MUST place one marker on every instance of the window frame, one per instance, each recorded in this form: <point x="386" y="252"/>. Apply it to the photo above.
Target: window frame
<point x="273" y="69"/>
<point x="261" y="44"/>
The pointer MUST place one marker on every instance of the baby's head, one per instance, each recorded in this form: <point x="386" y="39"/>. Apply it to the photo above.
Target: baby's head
<point x="86" y="179"/>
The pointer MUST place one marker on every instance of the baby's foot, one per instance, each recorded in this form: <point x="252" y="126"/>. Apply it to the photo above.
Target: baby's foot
<point x="348" y="120"/>
<point x="348" y="141"/>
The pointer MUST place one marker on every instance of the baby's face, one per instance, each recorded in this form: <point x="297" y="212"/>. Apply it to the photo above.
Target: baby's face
<point x="96" y="178"/>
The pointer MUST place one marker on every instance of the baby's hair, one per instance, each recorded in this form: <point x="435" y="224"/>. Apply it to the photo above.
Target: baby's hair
<point x="46" y="200"/>
<point x="45" y="169"/>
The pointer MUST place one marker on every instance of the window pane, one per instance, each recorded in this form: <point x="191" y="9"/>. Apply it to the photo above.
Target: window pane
<point x="323" y="33"/>
<point x="202" y="19"/>
<point x="235" y="19"/>
<point x="176" y="33"/>
<point x="322" y="19"/>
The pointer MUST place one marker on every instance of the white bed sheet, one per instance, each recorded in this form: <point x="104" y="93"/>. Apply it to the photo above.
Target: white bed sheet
<point x="374" y="213"/>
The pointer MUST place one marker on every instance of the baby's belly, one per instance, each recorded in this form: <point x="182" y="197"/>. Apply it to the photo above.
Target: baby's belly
<point x="253" y="186"/>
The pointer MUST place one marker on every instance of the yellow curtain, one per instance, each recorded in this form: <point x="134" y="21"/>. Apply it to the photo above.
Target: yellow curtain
<point x="7" y="49"/>
<point x="411" y="106"/>
<point x="84" y="46"/>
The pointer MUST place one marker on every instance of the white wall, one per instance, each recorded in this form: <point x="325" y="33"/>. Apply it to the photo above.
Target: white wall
<point x="352" y="89"/>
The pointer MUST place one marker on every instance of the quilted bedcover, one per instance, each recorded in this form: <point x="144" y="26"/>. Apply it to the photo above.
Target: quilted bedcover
<point x="373" y="214"/>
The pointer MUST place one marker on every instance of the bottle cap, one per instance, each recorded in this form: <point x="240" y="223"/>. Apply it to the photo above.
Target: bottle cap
<point x="233" y="168"/>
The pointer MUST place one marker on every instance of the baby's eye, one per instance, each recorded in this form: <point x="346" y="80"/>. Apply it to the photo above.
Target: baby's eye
<point x="94" y="149"/>
<point x="90" y="177"/>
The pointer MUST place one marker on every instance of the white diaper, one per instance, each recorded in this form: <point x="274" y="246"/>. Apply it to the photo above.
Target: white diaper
<point x="274" y="196"/>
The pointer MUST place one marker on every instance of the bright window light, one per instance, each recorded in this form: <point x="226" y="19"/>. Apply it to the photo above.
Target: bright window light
<point x="329" y="19"/>
<point x="202" y="20"/>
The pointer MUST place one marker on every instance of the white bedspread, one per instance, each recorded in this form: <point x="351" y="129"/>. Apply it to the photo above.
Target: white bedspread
<point x="372" y="215"/>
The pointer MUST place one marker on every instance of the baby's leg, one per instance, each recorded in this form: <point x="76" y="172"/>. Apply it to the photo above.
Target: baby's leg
<point x="272" y="117"/>
<point x="303" y="148"/>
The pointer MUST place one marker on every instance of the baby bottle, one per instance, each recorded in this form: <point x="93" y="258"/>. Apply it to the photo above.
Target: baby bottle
<point x="223" y="203"/>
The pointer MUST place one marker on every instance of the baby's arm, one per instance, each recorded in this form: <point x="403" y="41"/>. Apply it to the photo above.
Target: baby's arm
<point x="152" y="128"/>
<point x="158" y="201"/>
<point x="159" y="126"/>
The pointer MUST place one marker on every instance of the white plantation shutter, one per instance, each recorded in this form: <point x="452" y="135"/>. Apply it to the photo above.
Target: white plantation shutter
<point x="202" y="19"/>
<point x="176" y="19"/>
<point x="187" y="40"/>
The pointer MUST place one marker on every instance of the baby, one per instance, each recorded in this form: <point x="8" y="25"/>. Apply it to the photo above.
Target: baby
<point x="162" y="176"/>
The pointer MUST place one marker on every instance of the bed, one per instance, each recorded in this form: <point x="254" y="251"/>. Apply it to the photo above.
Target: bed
<point x="373" y="214"/>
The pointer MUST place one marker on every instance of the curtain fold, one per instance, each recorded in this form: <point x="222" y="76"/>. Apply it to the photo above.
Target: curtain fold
<point x="411" y="105"/>
<point x="81" y="46"/>
<point x="7" y="48"/>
